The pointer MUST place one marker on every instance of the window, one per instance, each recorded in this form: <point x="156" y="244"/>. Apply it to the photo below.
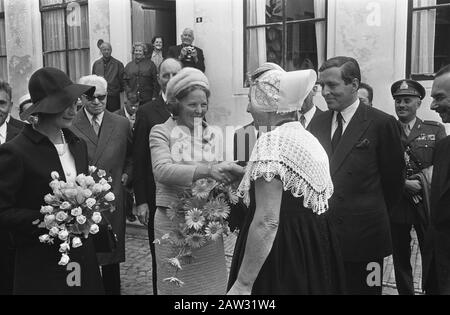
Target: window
<point x="3" y="63"/>
<point x="428" y="45"/>
<point x="290" y="33"/>
<point x="65" y="36"/>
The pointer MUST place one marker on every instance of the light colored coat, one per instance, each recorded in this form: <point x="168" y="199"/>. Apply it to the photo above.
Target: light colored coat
<point x="110" y="152"/>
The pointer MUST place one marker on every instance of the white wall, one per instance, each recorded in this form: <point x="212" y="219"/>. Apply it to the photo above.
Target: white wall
<point x="120" y="29"/>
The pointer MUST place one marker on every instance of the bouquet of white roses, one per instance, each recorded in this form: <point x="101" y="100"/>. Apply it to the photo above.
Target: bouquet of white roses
<point x="74" y="209"/>
<point x="201" y="214"/>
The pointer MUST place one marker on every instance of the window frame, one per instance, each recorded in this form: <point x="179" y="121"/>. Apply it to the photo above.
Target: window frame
<point x="67" y="51"/>
<point x="2" y="17"/>
<point x="411" y="10"/>
<point x="284" y="23"/>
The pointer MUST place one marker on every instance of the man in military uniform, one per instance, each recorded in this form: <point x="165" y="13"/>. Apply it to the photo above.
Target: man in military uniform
<point x="419" y="139"/>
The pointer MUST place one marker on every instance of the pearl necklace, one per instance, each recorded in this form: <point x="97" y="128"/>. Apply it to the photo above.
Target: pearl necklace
<point x="64" y="147"/>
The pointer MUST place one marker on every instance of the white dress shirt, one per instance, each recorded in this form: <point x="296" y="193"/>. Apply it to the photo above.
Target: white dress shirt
<point x="309" y="115"/>
<point x="347" y="115"/>
<point x="99" y="117"/>
<point x="3" y="129"/>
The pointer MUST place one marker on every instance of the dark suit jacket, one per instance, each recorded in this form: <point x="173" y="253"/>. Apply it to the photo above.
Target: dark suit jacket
<point x="437" y="239"/>
<point x="113" y="74"/>
<point x="148" y="115"/>
<point x="26" y="163"/>
<point x="174" y="52"/>
<point x="367" y="170"/>
<point x="16" y="123"/>
<point x="316" y="115"/>
<point x="110" y="151"/>
<point x="12" y="131"/>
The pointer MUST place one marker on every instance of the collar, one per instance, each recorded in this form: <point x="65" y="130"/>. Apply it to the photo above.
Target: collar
<point x="347" y="114"/>
<point x="8" y="118"/>
<point x="38" y="137"/>
<point x="410" y="124"/>
<point x="310" y="114"/>
<point x="127" y="114"/>
<point x="164" y="97"/>
<point x="99" y="116"/>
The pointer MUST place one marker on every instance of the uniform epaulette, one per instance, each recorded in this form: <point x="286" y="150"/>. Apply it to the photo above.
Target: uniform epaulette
<point x="432" y="123"/>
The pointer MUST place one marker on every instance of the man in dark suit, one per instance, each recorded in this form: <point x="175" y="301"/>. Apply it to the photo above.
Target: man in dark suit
<point x="309" y="111"/>
<point x="129" y="112"/>
<point x="367" y="168"/>
<point x="189" y="55"/>
<point x="419" y="139"/>
<point x="108" y="139"/>
<point x="148" y="115"/>
<point x="436" y="252"/>
<point x="9" y="128"/>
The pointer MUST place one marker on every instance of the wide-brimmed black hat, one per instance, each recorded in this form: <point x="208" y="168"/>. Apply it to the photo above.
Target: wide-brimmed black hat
<point x="52" y="91"/>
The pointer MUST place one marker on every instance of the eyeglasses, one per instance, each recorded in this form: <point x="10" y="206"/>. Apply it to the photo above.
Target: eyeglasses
<point x="101" y="98"/>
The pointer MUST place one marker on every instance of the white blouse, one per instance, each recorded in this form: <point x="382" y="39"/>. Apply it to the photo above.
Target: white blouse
<point x="67" y="161"/>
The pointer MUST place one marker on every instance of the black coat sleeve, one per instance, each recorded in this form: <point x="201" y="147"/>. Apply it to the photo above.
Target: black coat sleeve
<point x="391" y="162"/>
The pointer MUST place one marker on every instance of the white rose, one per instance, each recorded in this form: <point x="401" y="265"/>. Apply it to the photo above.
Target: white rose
<point x="92" y="169"/>
<point x="76" y="212"/>
<point x="103" y="181"/>
<point x="70" y="193"/>
<point x="87" y="193"/>
<point x="54" y="184"/>
<point x="64" y="247"/>
<point x="91" y="202"/>
<point x="110" y="197"/>
<point x="54" y="175"/>
<point x="97" y="188"/>
<point x="94" y="229"/>
<point x="61" y="216"/>
<point x="49" y="219"/>
<point x="54" y="231"/>
<point x="64" y="260"/>
<point x="81" y="219"/>
<point x="49" y="198"/>
<point x="44" y="238"/>
<point x="65" y="205"/>
<point x="46" y="209"/>
<point x="63" y="235"/>
<point x="81" y="179"/>
<point x="97" y="217"/>
<point x="89" y="180"/>
<point x="106" y="187"/>
<point x="101" y="173"/>
<point x="62" y="185"/>
<point x="76" y="242"/>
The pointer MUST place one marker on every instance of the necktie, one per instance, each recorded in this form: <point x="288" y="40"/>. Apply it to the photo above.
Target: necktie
<point x="303" y="120"/>
<point x="95" y="124"/>
<point x="338" y="133"/>
<point x="406" y="129"/>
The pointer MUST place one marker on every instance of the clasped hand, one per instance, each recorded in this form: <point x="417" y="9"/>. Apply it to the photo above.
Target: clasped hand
<point x="227" y="172"/>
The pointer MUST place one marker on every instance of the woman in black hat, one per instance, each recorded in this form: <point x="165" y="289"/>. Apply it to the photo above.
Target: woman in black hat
<point x="26" y="163"/>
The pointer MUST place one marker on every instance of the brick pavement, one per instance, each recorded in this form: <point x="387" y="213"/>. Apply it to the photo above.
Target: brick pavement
<point x="136" y="271"/>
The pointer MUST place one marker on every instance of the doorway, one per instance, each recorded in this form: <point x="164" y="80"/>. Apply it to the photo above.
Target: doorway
<point x="151" y="18"/>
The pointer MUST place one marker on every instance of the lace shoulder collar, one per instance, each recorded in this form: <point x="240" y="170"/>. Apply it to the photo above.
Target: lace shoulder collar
<point x="297" y="158"/>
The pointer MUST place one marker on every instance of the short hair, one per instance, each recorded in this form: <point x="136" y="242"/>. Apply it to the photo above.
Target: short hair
<point x="4" y="86"/>
<point x="156" y="37"/>
<point x="188" y="29"/>
<point x="442" y="71"/>
<point x="140" y="44"/>
<point x="368" y="88"/>
<point x="350" y="68"/>
<point x="94" y="80"/>
<point x="106" y="43"/>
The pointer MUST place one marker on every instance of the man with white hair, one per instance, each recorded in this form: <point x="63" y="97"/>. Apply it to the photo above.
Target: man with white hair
<point x="188" y="54"/>
<point x="108" y="139"/>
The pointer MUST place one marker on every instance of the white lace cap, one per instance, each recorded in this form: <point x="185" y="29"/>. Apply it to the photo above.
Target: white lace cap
<point x="282" y="92"/>
<point x="298" y="159"/>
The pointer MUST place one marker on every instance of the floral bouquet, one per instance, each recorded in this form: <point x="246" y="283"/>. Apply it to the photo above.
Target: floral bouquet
<point x="200" y="214"/>
<point x="74" y="209"/>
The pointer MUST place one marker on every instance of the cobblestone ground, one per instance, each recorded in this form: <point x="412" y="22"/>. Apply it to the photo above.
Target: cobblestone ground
<point x="136" y="272"/>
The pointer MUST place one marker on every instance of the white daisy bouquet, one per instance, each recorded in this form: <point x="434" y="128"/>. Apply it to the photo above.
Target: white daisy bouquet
<point x="201" y="215"/>
<point x="74" y="210"/>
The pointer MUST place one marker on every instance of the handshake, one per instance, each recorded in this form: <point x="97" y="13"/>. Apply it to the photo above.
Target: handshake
<point x="226" y="172"/>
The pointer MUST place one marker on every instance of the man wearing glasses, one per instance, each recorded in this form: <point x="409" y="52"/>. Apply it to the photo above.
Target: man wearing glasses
<point x="108" y="139"/>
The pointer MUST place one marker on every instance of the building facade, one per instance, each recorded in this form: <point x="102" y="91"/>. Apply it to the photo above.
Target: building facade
<point x="392" y="39"/>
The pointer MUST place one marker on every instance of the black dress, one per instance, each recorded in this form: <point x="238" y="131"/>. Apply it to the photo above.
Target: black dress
<point x="26" y="163"/>
<point x="305" y="256"/>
